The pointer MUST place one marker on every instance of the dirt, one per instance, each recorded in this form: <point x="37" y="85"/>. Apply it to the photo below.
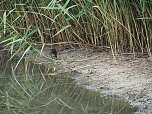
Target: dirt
<point x="124" y="76"/>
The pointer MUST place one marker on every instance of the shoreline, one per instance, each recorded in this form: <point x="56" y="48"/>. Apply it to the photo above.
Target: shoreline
<point x="127" y="77"/>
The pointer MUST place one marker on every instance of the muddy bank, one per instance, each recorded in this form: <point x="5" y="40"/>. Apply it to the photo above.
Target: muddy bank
<point x="126" y="77"/>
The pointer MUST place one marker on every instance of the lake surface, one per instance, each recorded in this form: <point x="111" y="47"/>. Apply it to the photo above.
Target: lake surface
<point x="31" y="89"/>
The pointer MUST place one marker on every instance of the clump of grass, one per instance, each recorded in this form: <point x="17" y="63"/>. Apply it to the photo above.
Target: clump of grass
<point x="125" y="26"/>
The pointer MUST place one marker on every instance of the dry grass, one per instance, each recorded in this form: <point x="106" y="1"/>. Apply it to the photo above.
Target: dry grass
<point x="125" y="26"/>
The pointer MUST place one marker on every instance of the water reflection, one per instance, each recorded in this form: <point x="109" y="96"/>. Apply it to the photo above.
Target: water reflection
<point x="31" y="90"/>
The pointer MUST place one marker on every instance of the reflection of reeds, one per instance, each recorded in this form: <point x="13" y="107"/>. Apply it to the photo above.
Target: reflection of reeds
<point x="125" y="26"/>
<point x="26" y="91"/>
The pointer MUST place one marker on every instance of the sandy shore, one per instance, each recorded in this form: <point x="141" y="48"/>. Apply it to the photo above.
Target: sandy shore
<point x="126" y="77"/>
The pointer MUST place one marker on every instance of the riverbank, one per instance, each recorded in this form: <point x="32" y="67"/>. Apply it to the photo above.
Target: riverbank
<point x="126" y="77"/>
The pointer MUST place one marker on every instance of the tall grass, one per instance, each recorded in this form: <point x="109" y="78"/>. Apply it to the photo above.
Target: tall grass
<point x="122" y="25"/>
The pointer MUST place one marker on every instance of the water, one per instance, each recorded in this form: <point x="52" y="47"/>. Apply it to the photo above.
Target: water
<point x="31" y="90"/>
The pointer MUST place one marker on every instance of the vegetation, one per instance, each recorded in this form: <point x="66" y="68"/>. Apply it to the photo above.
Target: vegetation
<point x="26" y="25"/>
<point x="122" y="25"/>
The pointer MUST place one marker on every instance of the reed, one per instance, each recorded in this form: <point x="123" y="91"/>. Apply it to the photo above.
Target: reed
<point x="125" y="26"/>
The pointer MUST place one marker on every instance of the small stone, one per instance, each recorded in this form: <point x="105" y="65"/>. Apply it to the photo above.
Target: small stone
<point x="149" y="58"/>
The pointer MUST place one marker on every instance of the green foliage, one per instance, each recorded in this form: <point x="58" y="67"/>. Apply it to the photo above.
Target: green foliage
<point x="123" y="25"/>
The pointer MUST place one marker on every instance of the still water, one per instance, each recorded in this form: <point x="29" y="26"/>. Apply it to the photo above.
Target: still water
<point x="30" y="90"/>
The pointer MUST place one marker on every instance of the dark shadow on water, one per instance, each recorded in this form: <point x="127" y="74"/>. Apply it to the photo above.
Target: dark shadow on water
<point x="30" y="90"/>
